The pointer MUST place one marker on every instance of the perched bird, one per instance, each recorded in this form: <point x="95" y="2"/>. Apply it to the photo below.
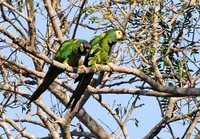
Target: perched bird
<point x="98" y="54"/>
<point x="69" y="53"/>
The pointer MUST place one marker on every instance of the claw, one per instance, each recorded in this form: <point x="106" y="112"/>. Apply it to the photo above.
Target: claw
<point x="83" y="67"/>
<point x="66" y="65"/>
<point x="96" y="68"/>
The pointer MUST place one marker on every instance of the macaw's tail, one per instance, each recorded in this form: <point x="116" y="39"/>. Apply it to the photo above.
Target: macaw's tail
<point x="78" y="92"/>
<point x="48" y="79"/>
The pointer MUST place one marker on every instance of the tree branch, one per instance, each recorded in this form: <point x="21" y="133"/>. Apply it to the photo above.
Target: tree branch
<point x="56" y="27"/>
<point x="2" y="2"/>
<point x="79" y="17"/>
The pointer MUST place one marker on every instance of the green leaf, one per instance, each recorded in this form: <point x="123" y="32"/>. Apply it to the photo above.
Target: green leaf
<point x="6" y="94"/>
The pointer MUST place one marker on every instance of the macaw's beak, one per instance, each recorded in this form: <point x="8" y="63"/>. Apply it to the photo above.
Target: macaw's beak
<point x="84" y="48"/>
<point x="87" y="46"/>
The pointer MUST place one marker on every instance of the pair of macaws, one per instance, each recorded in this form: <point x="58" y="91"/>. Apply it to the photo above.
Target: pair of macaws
<point x="70" y="52"/>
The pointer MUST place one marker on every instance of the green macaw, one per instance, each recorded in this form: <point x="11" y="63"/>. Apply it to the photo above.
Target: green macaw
<point x="99" y="54"/>
<point x="69" y="53"/>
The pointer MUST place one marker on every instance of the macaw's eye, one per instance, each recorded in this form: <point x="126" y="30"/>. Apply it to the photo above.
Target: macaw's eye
<point x="82" y="47"/>
<point x="119" y="34"/>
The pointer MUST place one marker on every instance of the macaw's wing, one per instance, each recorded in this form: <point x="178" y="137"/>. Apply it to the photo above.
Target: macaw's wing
<point x="85" y="79"/>
<point x="64" y="51"/>
<point x="62" y="54"/>
<point x="69" y="52"/>
<point x="78" y="92"/>
<point x="95" y="47"/>
<point x="48" y="79"/>
<point x="99" y="54"/>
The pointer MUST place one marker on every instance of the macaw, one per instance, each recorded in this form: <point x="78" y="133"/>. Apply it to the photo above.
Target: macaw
<point x="69" y="53"/>
<point x="99" y="53"/>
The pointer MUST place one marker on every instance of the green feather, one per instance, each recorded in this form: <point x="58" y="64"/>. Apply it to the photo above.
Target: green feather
<point x="99" y="54"/>
<point x="69" y="52"/>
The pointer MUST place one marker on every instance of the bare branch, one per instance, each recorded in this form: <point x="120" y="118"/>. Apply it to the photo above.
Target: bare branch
<point x="19" y="129"/>
<point x="56" y="27"/>
<point x="79" y="17"/>
<point x="6" y="129"/>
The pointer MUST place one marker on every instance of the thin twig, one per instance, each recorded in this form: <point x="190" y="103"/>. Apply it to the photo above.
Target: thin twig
<point x="79" y="17"/>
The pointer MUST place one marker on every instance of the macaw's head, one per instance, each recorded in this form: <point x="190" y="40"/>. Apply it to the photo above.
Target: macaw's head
<point x="84" y="46"/>
<point x="113" y="35"/>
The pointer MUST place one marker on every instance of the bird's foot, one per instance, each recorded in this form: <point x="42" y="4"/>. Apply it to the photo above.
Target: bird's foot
<point x="83" y="67"/>
<point x="96" y="68"/>
<point x="66" y="65"/>
<point x="110" y="64"/>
